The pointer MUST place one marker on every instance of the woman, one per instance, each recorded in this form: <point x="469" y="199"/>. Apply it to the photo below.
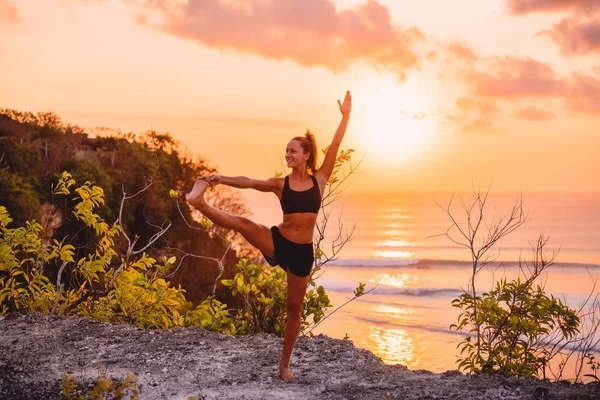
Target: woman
<point x="288" y="244"/>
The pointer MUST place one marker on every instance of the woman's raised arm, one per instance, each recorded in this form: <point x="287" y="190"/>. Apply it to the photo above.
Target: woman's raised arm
<point x="326" y="169"/>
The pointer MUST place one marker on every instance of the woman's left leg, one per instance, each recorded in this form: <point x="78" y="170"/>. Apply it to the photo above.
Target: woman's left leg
<point x="257" y="235"/>
<point x="296" y="291"/>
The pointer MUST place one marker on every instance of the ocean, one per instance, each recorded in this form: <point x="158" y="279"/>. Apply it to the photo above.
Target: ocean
<point x="398" y="247"/>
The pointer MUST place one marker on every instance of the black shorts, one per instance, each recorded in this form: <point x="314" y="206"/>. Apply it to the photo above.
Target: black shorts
<point x="297" y="257"/>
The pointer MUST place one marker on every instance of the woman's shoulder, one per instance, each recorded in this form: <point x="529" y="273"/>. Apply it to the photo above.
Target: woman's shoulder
<point x="279" y="181"/>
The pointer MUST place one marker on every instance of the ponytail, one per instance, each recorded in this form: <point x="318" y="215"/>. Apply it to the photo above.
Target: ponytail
<point x="309" y="145"/>
<point x="312" y="160"/>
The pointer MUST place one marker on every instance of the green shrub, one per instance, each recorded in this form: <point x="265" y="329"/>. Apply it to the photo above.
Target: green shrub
<point x="104" y="388"/>
<point x="514" y="319"/>
<point x="132" y="288"/>
<point x="264" y="290"/>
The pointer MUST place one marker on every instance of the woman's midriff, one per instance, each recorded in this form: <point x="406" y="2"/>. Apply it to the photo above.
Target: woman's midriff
<point x="298" y="228"/>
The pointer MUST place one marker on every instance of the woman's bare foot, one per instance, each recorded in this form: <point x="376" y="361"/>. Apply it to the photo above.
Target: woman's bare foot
<point x="286" y="374"/>
<point x="196" y="196"/>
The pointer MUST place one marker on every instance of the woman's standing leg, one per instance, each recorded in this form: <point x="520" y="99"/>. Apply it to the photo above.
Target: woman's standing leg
<point x="296" y="292"/>
<point x="257" y="235"/>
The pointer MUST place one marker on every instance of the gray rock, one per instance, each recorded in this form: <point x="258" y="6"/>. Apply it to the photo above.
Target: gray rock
<point x="36" y="352"/>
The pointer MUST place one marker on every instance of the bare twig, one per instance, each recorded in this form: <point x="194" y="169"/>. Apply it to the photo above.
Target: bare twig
<point x="332" y="192"/>
<point x="195" y="227"/>
<point x="332" y="312"/>
<point x="152" y="240"/>
<point x="481" y="254"/>
<point x="216" y="260"/>
<point x="59" y="286"/>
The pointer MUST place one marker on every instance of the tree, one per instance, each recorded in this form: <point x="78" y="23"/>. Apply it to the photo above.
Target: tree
<point x="515" y="328"/>
<point x="19" y="197"/>
<point x="116" y="162"/>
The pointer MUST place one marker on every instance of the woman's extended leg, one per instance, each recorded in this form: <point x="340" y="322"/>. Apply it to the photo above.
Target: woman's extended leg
<point x="295" y="297"/>
<point x="257" y="235"/>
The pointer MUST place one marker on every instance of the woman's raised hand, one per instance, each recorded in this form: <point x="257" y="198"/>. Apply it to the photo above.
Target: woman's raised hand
<point x="346" y="106"/>
<point x="212" y="180"/>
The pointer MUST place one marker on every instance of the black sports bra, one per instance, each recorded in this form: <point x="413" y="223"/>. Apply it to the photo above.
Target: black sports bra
<point x="306" y="201"/>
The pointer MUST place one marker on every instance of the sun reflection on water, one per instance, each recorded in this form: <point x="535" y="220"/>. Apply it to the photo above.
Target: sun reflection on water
<point x="397" y="216"/>
<point x="397" y="281"/>
<point x="396" y="225"/>
<point x="392" y="232"/>
<point x="393" y="346"/>
<point x="396" y="243"/>
<point x="394" y="254"/>
<point x="391" y="311"/>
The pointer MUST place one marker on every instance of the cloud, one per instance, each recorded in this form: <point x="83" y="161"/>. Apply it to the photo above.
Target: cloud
<point x="417" y="116"/>
<point x="520" y="7"/>
<point x="534" y="114"/>
<point x="456" y="58"/>
<point x="431" y="56"/>
<point x="478" y="125"/>
<point x="575" y="37"/>
<point x="9" y="11"/>
<point x="511" y="78"/>
<point x="485" y="107"/>
<point x="462" y="52"/>
<point x="522" y="79"/>
<point x="475" y="115"/>
<point x="584" y="94"/>
<point x="472" y="125"/>
<point x="309" y="32"/>
<point x="518" y="81"/>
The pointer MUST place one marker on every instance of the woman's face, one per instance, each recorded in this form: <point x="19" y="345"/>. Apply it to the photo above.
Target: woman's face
<point x="295" y="155"/>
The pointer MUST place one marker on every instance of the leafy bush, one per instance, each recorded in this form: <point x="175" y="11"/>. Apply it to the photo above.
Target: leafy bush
<point x="104" y="388"/>
<point x="23" y="287"/>
<point x="264" y="290"/>
<point x="106" y="289"/>
<point x="133" y="288"/>
<point x="513" y="319"/>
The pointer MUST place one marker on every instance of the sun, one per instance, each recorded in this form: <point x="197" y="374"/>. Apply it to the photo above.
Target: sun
<point x="390" y="134"/>
<point x="393" y="126"/>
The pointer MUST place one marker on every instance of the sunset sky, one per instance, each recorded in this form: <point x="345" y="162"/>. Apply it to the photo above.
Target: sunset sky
<point x="445" y="93"/>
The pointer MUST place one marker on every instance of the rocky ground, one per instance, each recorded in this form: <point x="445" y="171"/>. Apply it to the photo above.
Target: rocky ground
<point x="36" y="352"/>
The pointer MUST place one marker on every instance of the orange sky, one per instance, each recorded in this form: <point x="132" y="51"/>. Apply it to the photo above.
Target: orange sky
<point x="445" y="93"/>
